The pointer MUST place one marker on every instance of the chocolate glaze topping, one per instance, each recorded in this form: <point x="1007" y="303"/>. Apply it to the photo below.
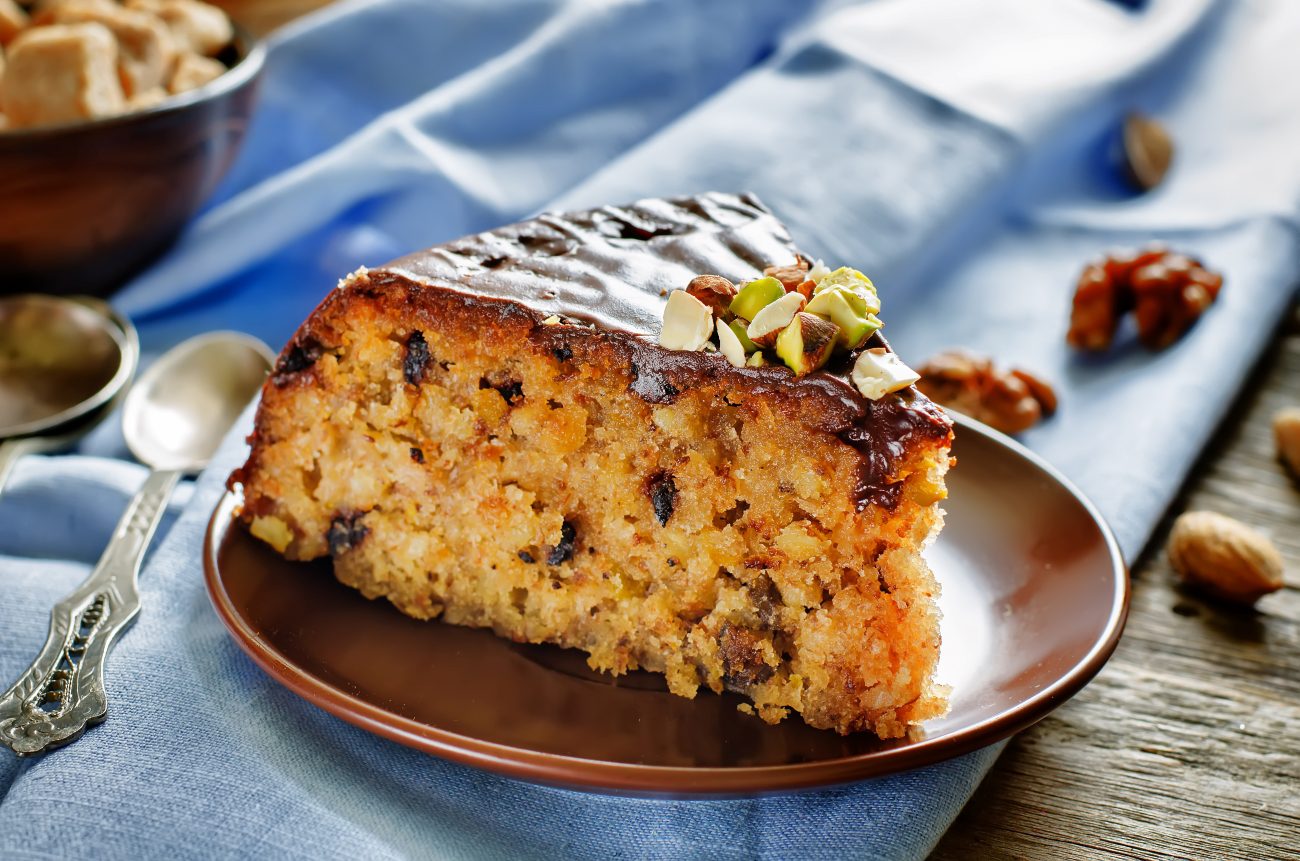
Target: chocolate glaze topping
<point x="614" y="267"/>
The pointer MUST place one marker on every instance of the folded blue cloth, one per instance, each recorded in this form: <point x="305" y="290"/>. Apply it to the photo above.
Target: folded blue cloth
<point x="955" y="151"/>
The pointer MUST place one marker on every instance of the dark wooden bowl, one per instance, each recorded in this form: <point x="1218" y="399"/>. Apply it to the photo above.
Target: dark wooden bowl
<point x="85" y="206"/>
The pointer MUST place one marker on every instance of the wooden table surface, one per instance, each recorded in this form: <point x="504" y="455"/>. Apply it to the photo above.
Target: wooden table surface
<point x="1187" y="744"/>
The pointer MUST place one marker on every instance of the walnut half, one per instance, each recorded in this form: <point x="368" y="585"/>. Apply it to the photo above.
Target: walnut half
<point x="1167" y="292"/>
<point x="1010" y="401"/>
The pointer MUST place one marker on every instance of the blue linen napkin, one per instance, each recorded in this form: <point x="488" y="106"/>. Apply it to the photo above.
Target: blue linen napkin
<point x="952" y="150"/>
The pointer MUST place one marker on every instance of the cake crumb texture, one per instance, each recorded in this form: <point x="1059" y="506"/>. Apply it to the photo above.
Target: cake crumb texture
<point x="464" y="460"/>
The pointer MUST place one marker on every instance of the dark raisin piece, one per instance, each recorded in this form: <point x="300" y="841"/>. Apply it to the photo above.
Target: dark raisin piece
<point x="417" y="358"/>
<point x="511" y="391"/>
<point x="417" y="455"/>
<point x="300" y="357"/>
<point x="563" y="551"/>
<point x="651" y="387"/>
<point x="562" y="354"/>
<point x="526" y="557"/>
<point x="767" y="600"/>
<point x="742" y="658"/>
<point x="346" y="532"/>
<point x="663" y="496"/>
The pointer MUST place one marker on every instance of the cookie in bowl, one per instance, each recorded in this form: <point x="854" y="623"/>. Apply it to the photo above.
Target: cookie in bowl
<point x="117" y="120"/>
<point x="74" y="60"/>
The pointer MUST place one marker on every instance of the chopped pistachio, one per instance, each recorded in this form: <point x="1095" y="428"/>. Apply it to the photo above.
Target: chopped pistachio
<point x="755" y="296"/>
<point x="738" y="327"/>
<point x="806" y="344"/>
<point x="854" y="281"/>
<point x="847" y="310"/>
<point x="755" y="360"/>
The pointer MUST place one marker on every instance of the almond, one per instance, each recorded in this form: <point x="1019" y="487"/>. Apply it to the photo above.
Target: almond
<point x="1224" y="557"/>
<point x="878" y="371"/>
<point x="688" y="323"/>
<point x="1286" y="430"/>
<point x="769" y="322"/>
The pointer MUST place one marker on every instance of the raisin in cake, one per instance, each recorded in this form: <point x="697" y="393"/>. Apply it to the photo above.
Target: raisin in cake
<point x="546" y="431"/>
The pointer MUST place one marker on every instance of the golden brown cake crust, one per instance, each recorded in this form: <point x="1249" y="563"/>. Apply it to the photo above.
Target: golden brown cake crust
<point x="468" y="457"/>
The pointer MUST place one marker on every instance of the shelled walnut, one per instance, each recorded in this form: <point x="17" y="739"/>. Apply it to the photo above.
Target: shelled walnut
<point x="1010" y="401"/>
<point x="1167" y="292"/>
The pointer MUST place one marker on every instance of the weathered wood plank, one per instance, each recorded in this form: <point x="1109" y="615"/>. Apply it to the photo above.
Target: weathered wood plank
<point x="1188" y="743"/>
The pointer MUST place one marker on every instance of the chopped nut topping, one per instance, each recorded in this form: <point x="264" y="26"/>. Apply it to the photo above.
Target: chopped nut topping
<point x="769" y="322"/>
<point x="688" y="323"/>
<point x="714" y="291"/>
<point x="801" y="315"/>
<point x="789" y="276"/>
<point x="1010" y="401"/>
<point x="877" y="372"/>
<point x="729" y="345"/>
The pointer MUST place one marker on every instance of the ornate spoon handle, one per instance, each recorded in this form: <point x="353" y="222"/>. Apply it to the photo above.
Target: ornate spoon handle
<point x="63" y="690"/>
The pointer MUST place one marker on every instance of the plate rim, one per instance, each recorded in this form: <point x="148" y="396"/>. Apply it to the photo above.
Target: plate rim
<point x="682" y="781"/>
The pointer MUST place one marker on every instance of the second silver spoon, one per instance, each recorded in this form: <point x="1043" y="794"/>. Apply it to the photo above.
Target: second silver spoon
<point x="174" y="419"/>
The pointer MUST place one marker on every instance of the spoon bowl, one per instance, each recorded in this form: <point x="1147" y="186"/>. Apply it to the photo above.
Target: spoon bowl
<point x="181" y="407"/>
<point x="60" y="361"/>
<point x="173" y="420"/>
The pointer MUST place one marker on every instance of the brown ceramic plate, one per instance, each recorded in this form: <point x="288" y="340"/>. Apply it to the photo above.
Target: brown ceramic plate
<point x="1034" y="598"/>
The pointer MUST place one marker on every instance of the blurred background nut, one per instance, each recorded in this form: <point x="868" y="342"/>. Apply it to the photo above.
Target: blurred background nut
<point x="1166" y="290"/>
<point x="1011" y="401"/>
<point x="1286" y="431"/>
<point x="1224" y="557"/>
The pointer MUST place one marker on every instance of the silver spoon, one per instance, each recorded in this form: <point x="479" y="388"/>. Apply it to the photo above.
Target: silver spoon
<point x="174" y="418"/>
<point x="63" y="364"/>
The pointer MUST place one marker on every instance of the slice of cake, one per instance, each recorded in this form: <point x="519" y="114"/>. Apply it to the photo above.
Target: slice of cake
<point x="561" y="431"/>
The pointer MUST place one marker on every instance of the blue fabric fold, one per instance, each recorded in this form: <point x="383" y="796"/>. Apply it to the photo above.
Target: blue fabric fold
<point x="955" y="151"/>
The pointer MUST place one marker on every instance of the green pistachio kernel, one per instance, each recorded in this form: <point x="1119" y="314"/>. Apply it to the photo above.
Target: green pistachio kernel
<point x="806" y="344"/>
<point x="853" y="281"/>
<point x="742" y="335"/>
<point x="849" y="311"/>
<point x="755" y="296"/>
